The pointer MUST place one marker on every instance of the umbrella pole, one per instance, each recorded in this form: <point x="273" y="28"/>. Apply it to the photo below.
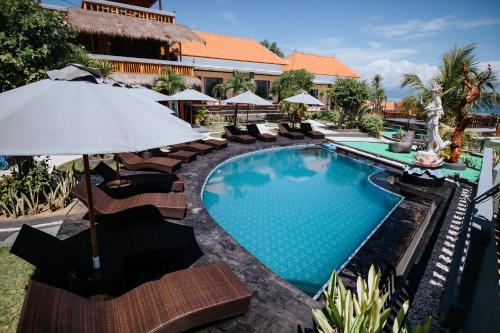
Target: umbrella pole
<point x="90" y="200"/>
<point x="117" y="168"/>
<point x="235" y="113"/>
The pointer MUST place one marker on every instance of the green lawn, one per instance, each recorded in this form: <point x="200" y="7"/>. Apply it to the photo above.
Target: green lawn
<point x="382" y="149"/>
<point x="15" y="275"/>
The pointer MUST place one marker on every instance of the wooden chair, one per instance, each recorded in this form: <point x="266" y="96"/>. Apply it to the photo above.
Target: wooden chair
<point x="135" y="162"/>
<point x="170" y="205"/>
<point x="286" y="131"/>
<point x="254" y="131"/>
<point x="237" y="135"/>
<point x="307" y="129"/>
<point x="175" y="303"/>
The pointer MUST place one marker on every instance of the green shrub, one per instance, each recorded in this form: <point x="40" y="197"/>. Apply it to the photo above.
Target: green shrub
<point x="330" y="116"/>
<point x="31" y="189"/>
<point x="202" y="116"/>
<point x="372" y="124"/>
<point x="363" y="311"/>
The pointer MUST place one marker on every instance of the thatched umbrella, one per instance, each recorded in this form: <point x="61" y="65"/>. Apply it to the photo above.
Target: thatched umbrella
<point x="75" y="112"/>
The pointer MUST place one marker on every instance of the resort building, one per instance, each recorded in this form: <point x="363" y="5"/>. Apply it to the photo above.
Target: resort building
<point x="141" y="43"/>
<point x="325" y="69"/>
<point x="220" y="56"/>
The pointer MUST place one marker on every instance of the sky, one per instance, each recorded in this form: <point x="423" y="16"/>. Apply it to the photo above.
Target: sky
<point x="384" y="37"/>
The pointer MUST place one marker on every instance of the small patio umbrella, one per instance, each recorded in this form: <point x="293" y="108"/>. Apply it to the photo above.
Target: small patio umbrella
<point x="304" y="98"/>
<point x="248" y="98"/>
<point x="74" y="112"/>
<point x="190" y="95"/>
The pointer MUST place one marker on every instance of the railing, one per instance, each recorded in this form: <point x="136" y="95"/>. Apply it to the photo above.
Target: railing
<point x="127" y="10"/>
<point x="477" y="121"/>
<point x="145" y="68"/>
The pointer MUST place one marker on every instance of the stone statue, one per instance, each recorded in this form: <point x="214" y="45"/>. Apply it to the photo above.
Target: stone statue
<point x="434" y="111"/>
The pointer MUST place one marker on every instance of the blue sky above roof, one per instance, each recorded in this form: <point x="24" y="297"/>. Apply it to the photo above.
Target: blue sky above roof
<point x="386" y="37"/>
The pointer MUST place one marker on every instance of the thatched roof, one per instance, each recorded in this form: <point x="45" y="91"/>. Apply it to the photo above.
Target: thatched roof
<point x="147" y="80"/>
<point x="93" y="22"/>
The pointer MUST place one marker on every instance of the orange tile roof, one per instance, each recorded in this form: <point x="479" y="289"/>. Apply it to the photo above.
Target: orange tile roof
<point x="391" y="106"/>
<point x="230" y="48"/>
<point x="318" y="64"/>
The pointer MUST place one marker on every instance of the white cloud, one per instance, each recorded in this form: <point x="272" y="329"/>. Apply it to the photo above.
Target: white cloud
<point x="479" y="23"/>
<point x="375" y="45"/>
<point x="412" y="28"/>
<point x="417" y="28"/>
<point x="392" y="71"/>
<point x="229" y="16"/>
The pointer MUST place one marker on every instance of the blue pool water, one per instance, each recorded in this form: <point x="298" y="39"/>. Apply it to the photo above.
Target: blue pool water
<point x="302" y="212"/>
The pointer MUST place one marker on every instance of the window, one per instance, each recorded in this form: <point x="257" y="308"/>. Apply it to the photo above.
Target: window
<point x="262" y="88"/>
<point x="210" y="83"/>
<point x="314" y="93"/>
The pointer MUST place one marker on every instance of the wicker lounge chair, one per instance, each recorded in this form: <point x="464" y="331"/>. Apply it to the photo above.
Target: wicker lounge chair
<point x="196" y="147"/>
<point x="140" y="183"/>
<point x="184" y="156"/>
<point x="217" y="144"/>
<point x="235" y="134"/>
<point x="177" y="302"/>
<point x="135" y="162"/>
<point x="170" y="205"/>
<point x="290" y="133"/>
<point x="403" y="146"/>
<point x="307" y="129"/>
<point x="254" y="131"/>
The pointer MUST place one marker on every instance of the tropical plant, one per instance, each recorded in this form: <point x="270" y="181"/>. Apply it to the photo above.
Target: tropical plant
<point x="273" y="47"/>
<point x="202" y="116"/>
<point x="377" y="92"/>
<point x="400" y="133"/>
<point x="170" y="83"/>
<point x="292" y="83"/>
<point x="236" y="85"/>
<point x="464" y="89"/>
<point x="33" y="40"/>
<point x="329" y="115"/>
<point x="351" y="95"/>
<point x="411" y="106"/>
<point x="105" y="67"/>
<point x="296" y="111"/>
<point x="363" y="311"/>
<point x="372" y="123"/>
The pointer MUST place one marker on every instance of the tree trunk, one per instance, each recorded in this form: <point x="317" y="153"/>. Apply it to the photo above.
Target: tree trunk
<point x="456" y="139"/>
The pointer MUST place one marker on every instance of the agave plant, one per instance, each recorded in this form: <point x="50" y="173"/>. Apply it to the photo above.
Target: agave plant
<point x="363" y="311"/>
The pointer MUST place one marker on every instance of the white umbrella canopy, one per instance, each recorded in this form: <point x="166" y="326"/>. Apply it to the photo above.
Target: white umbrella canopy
<point x="304" y="98"/>
<point x="248" y="98"/>
<point x="80" y="117"/>
<point x="191" y="95"/>
<point x="74" y="112"/>
<point x="151" y="94"/>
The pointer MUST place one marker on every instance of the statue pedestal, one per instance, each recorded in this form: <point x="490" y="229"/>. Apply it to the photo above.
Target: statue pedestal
<point x="424" y="179"/>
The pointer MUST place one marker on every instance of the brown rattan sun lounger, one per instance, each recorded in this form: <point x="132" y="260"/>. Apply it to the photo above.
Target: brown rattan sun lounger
<point x="175" y="303"/>
<point x="184" y="156"/>
<point x="135" y="162"/>
<point x="199" y="148"/>
<point x="170" y="205"/>
<point x="217" y="144"/>
<point x="235" y="134"/>
<point x="254" y="131"/>
<point x="307" y="129"/>
<point x="286" y="131"/>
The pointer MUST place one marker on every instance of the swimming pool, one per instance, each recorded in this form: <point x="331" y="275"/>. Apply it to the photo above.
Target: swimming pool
<point x="301" y="211"/>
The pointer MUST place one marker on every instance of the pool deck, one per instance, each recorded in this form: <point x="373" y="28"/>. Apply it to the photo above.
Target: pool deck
<point x="276" y="305"/>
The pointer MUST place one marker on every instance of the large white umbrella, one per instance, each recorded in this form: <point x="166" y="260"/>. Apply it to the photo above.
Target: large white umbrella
<point x="191" y="95"/>
<point x="74" y="112"/>
<point x="248" y="98"/>
<point x="304" y="98"/>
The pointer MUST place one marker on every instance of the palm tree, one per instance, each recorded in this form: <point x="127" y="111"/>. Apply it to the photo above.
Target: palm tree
<point x="238" y="84"/>
<point x="465" y="88"/>
<point x="170" y="83"/>
<point x="378" y="93"/>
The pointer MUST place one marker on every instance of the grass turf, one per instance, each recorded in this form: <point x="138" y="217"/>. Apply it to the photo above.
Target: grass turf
<point x="382" y="149"/>
<point x="15" y="276"/>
